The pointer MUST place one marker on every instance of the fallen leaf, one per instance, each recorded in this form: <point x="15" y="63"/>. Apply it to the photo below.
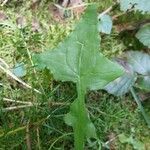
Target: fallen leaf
<point x="65" y="3"/>
<point x="21" y="21"/>
<point x="144" y="96"/>
<point x="112" y="141"/>
<point x="57" y="14"/>
<point x="2" y="16"/>
<point x="34" y="4"/>
<point x="77" y="10"/>
<point x="124" y="26"/>
<point x="35" y="25"/>
<point x="76" y="2"/>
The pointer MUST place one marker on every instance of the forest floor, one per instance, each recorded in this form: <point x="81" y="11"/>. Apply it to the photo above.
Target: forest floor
<point x="26" y="28"/>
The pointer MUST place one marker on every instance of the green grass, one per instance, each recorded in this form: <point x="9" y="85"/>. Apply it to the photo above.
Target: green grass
<point x="111" y="115"/>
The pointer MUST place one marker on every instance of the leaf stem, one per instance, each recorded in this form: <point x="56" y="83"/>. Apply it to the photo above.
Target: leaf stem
<point x="138" y="101"/>
<point x="107" y="10"/>
<point x="79" y="134"/>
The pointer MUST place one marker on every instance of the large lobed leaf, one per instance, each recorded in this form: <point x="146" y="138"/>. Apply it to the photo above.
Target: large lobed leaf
<point x="78" y="58"/>
<point x="144" y="35"/>
<point x="144" y="83"/>
<point x="122" y="85"/>
<point x="140" y="63"/>
<point x="137" y="68"/>
<point x="141" y="5"/>
<point x="137" y="145"/>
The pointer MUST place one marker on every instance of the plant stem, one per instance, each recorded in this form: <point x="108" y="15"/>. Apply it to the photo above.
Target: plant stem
<point x="138" y="101"/>
<point x="79" y="133"/>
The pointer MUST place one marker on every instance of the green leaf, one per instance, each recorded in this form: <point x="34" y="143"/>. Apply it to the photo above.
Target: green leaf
<point x="77" y="59"/>
<point x="122" y="85"/>
<point x="71" y="119"/>
<point x="138" y="101"/>
<point x="105" y="24"/>
<point x="9" y="25"/>
<point x="123" y="138"/>
<point x="144" y="83"/>
<point x="144" y="35"/>
<point x="141" y="5"/>
<point x="137" y="145"/>
<point x="19" y="70"/>
<point x="140" y="62"/>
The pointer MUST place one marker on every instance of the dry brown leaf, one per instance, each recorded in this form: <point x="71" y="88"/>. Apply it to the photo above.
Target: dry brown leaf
<point x="122" y="27"/>
<point x="2" y="16"/>
<point x="65" y="3"/>
<point x="35" y="25"/>
<point x="77" y="10"/>
<point x="112" y="141"/>
<point x="34" y="4"/>
<point x="73" y="8"/>
<point x="57" y="15"/>
<point x="21" y="21"/>
<point x="144" y="96"/>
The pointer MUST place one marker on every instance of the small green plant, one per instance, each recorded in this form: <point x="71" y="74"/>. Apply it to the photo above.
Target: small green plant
<point x="136" y="64"/>
<point x="77" y="59"/>
<point x="137" y="145"/>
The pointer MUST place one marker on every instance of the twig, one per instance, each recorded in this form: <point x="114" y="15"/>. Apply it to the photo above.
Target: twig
<point x="4" y="2"/>
<point x="86" y="4"/>
<point x="29" y="104"/>
<point x="8" y="72"/>
<point x="65" y="3"/>
<point x="16" y="107"/>
<point x="77" y="6"/>
<point x="35" y="104"/>
<point x="105" y="12"/>
<point x="16" y="101"/>
<point x="59" y="6"/>
<point x="119" y="15"/>
<point x="112" y="139"/>
<point x="28" y="139"/>
<point x="38" y="138"/>
<point x="138" y="101"/>
<point x="70" y="8"/>
<point x="73" y="7"/>
<point x="4" y="63"/>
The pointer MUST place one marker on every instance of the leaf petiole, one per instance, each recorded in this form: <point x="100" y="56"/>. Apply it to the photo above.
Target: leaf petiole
<point x="138" y="101"/>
